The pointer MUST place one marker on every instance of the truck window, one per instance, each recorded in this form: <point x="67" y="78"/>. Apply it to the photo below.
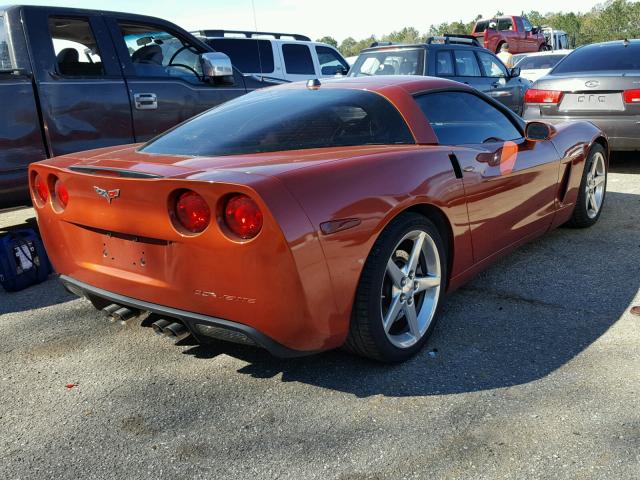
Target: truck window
<point x="330" y="61"/>
<point x="157" y="53"/>
<point x="75" y="47"/>
<point x="527" y="25"/>
<point x="505" y="24"/>
<point x="247" y="55"/>
<point x="297" y="59"/>
<point x="5" y="52"/>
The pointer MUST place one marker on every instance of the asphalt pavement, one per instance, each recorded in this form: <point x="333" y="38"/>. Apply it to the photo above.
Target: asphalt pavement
<point x="533" y="371"/>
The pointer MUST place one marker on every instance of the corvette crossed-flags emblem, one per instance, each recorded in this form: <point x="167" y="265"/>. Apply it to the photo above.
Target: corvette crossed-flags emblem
<point x="108" y="195"/>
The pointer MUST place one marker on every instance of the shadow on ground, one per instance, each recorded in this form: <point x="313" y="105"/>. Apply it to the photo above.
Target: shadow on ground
<point x="523" y="318"/>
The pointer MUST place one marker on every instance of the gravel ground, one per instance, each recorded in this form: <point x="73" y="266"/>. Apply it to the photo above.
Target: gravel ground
<point x="532" y="372"/>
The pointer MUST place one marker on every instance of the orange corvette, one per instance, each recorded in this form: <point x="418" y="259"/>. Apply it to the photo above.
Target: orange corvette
<point x="311" y="216"/>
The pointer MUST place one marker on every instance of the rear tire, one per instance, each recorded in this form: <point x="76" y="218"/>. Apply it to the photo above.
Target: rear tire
<point x="400" y="291"/>
<point x="593" y="189"/>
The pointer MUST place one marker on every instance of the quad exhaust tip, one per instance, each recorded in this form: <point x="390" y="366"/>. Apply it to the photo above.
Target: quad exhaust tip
<point x="172" y="330"/>
<point x="118" y="313"/>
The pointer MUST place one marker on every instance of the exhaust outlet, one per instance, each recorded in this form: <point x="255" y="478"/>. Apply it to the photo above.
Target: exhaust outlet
<point x="176" y="331"/>
<point x="123" y="314"/>
<point x="159" y="326"/>
<point x="111" y="309"/>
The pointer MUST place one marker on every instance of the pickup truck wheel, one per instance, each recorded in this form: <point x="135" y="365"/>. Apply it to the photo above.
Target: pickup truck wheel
<point x="400" y="291"/>
<point x="543" y="48"/>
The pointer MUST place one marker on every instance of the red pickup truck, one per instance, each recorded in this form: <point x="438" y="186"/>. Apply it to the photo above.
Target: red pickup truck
<point x="518" y="32"/>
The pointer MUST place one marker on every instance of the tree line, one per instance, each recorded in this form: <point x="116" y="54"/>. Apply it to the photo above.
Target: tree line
<point x="612" y="20"/>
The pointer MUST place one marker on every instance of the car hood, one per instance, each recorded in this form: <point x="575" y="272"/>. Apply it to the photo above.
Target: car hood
<point x="131" y="160"/>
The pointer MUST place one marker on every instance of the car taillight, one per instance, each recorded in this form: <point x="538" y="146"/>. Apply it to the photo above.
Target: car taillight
<point x="61" y="193"/>
<point x="632" y="96"/>
<point x="243" y="216"/>
<point x="192" y="211"/>
<point x="543" y="96"/>
<point x="40" y="187"/>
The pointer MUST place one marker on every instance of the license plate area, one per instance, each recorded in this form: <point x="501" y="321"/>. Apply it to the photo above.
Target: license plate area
<point x="131" y="254"/>
<point x="592" y="101"/>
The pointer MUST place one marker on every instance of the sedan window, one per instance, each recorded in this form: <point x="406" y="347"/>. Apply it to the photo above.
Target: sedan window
<point x="460" y="118"/>
<point x="601" y="57"/>
<point x="405" y="61"/>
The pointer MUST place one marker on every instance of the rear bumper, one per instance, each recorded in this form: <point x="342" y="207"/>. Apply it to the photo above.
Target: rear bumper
<point x="623" y="131"/>
<point x="197" y="324"/>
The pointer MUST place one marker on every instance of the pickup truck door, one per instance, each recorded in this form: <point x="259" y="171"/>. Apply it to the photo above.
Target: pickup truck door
<point x="79" y="84"/>
<point x="510" y="183"/>
<point x="161" y="64"/>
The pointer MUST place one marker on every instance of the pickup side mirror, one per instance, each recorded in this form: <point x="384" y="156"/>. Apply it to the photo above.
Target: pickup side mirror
<point x="535" y="30"/>
<point x="539" y="131"/>
<point x="217" y="67"/>
<point x="514" y="72"/>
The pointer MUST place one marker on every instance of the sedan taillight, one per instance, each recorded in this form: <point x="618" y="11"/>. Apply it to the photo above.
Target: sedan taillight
<point x="243" y="216"/>
<point x="192" y="212"/>
<point x="550" y="97"/>
<point x="632" y="96"/>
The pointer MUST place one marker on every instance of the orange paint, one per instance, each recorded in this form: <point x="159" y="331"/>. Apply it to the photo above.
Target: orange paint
<point x="508" y="157"/>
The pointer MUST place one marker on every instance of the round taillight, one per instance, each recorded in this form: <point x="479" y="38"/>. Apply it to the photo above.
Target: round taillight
<point x="243" y="216"/>
<point x="40" y="187"/>
<point x="61" y="193"/>
<point x="192" y="211"/>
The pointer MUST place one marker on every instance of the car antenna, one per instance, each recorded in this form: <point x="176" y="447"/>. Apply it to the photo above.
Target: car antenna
<point x="313" y="84"/>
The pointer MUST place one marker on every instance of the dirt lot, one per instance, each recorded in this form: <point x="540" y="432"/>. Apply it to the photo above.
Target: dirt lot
<point x="532" y="372"/>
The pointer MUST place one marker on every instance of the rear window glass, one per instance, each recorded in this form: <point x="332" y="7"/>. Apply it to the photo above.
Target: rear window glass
<point x="248" y="56"/>
<point x="540" y="62"/>
<point x="297" y="59"/>
<point x="269" y="121"/>
<point x="5" y="53"/>
<point x="481" y="26"/>
<point x="600" y="58"/>
<point x="406" y="61"/>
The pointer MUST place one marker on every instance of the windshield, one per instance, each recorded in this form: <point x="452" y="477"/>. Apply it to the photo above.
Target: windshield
<point x="602" y="57"/>
<point x="539" y="62"/>
<point x="406" y="61"/>
<point x="277" y="120"/>
<point x="5" y="54"/>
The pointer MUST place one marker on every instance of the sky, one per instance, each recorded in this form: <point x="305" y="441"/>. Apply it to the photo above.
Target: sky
<point x="336" y="18"/>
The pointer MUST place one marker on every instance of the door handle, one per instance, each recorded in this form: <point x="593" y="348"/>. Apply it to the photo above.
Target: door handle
<point x="145" y="101"/>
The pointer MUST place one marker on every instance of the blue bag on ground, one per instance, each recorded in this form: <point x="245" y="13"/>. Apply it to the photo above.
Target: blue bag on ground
<point x="23" y="260"/>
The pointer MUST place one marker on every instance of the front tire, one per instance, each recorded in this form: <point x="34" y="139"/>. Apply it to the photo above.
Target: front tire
<point x="400" y="291"/>
<point x="593" y="189"/>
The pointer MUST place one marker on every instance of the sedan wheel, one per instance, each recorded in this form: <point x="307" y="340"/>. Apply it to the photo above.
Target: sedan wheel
<point x="400" y="290"/>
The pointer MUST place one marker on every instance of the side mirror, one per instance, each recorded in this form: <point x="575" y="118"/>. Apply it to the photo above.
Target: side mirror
<point x="514" y="72"/>
<point x="539" y="131"/>
<point x="216" y="66"/>
<point x="535" y="30"/>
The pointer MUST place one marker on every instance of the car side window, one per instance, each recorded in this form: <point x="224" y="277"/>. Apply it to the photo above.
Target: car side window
<point x="461" y="118"/>
<point x="75" y="47"/>
<point x="466" y="64"/>
<point x="158" y="53"/>
<point x="527" y="25"/>
<point x="297" y="59"/>
<point x="505" y="24"/>
<point x="248" y="55"/>
<point x="492" y="66"/>
<point x="330" y="62"/>
<point x="444" y="64"/>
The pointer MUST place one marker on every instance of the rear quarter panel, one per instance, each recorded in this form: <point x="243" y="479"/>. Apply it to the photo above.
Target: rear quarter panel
<point x="375" y="189"/>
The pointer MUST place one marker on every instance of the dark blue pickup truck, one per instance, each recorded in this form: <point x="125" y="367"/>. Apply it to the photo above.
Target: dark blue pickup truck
<point x="73" y="79"/>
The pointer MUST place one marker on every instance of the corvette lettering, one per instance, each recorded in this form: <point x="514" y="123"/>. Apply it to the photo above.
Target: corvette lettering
<point x="228" y="298"/>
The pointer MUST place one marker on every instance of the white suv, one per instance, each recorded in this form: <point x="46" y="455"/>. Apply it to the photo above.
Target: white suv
<point x="282" y="56"/>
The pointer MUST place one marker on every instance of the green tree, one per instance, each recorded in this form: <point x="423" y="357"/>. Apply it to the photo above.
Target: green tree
<point x="328" y="40"/>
